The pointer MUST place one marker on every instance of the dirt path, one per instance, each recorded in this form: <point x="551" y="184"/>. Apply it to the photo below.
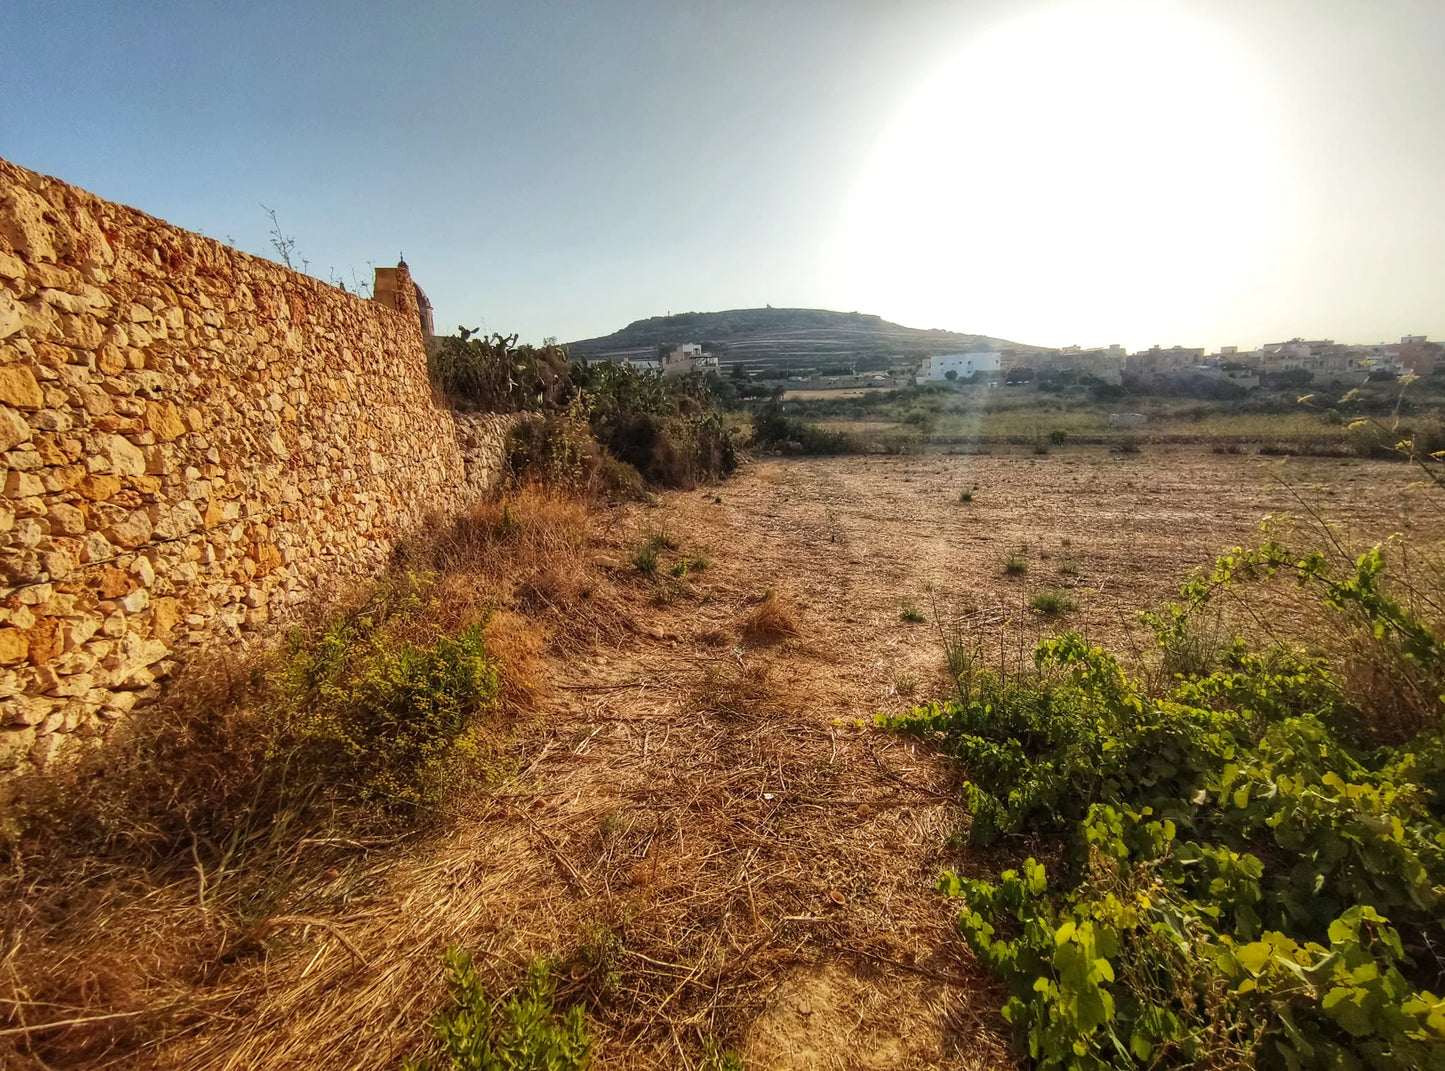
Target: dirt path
<point x="708" y="832"/>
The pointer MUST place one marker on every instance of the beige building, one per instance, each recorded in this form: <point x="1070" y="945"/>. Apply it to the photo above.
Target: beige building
<point x="689" y="357"/>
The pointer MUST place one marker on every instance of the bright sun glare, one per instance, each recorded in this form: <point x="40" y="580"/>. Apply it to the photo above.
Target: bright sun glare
<point x="1091" y="165"/>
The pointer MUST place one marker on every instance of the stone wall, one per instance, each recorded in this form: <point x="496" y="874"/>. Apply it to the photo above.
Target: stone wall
<point x="193" y="443"/>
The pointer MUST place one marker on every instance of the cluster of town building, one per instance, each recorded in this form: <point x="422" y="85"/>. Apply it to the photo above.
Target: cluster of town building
<point x="1322" y="361"/>
<point x="1296" y="362"/>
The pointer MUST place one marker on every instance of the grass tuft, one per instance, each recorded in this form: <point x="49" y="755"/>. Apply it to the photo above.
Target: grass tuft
<point x="1051" y="602"/>
<point x="772" y="619"/>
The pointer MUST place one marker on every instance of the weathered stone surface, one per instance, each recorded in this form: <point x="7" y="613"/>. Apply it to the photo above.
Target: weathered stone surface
<point x="10" y="321"/>
<point x="164" y="420"/>
<point x="18" y="387"/>
<point x="122" y="456"/>
<point x="132" y="530"/>
<point x="13" y="646"/>
<point x="13" y="428"/>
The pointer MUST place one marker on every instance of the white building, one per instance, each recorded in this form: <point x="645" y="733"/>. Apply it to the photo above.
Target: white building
<point x="962" y="365"/>
<point x="689" y="357"/>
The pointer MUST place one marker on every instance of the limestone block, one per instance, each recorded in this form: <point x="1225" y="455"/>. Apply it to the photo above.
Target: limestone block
<point x="143" y="571"/>
<point x="99" y="488"/>
<point x="51" y="420"/>
<point x="95" y="401"/>
<point x="21" y="711"/>
<point x="165" y="613"/>
<point x="123" y="457"/>
<point x="130" y="657"/>
<point x="24" y="224"/>
<point x="35" y="594"/>
<point x="81" y="331"/>
<point x="96" y="548"/>
<point x="11" y="322"/>
<point x="14" y="646"/>
<point x="43" y="641"/>
<point x="14" y="430"/>
<point x="65" y="519"/>
<point x="179" y="520"/>
<point x="58" y="564"/>
<point x="120" y="702"/>
<point x="18" y="387"/>
<point x="73" y="664"/>
<point x="43" y="750"/>
<point x="41" y="322"/>
<point x="130" y="532"/>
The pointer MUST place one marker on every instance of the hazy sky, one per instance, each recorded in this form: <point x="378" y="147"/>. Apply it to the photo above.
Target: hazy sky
<point x="1195" y="171"/>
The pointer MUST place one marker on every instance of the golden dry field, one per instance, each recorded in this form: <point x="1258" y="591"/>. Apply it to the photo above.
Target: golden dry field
<point x="701" y="823"/>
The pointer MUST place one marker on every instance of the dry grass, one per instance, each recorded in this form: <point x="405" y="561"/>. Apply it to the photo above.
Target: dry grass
<point x="702" y="836"/>
<point x="771" y="620"/>
<point x="143" y="880"/>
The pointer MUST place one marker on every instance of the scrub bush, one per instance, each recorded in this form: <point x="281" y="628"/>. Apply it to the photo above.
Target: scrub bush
<point x="1245" y="875"/>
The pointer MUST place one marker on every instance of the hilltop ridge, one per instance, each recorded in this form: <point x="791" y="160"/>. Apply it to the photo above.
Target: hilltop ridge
<point x="791" y="337"/>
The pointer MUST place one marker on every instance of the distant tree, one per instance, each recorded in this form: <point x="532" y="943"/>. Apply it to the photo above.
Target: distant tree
<point x="740" y="371"/>
<point x="951" y="374"/>
<point x="1021" y="374"/>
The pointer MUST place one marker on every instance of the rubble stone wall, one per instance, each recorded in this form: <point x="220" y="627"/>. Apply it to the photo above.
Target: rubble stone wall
<point x="193" y="443"/>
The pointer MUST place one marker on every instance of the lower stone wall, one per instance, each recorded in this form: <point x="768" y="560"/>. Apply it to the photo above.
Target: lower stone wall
<point x="482" y="438"/>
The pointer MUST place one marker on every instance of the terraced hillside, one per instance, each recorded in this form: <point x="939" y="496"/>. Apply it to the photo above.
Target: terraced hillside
<point x="791" y="338"/>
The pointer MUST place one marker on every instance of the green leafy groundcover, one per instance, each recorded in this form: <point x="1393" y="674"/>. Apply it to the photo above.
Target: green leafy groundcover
<point x="521" y="1031"/>
<point x="1245" y="879"/>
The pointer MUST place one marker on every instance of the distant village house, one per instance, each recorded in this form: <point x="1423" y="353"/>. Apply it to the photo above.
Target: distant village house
<point x="689" y="357"/>
<point x="955" y="367"/>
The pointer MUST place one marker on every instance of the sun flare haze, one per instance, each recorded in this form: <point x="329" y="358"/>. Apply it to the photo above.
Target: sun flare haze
<point x="1071" y="171"/>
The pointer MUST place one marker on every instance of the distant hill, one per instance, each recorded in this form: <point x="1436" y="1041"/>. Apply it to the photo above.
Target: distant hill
<point x="787" y="337"/>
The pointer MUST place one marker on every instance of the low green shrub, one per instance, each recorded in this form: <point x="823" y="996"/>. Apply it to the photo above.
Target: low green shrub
<point x="392" y="714"/>
<point x="521" y="1031"/>
<point x="1050" y="602"/>
<point x="774" y="428"/>
<point x="645" y="560"/>
<point x="1244" y="875"/>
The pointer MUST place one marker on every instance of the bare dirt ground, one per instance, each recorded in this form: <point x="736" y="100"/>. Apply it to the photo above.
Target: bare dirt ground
<point x="705" y="828"/>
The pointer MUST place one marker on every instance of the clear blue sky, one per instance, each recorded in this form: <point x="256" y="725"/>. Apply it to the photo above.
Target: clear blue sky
<point x="1229" y="171"/>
